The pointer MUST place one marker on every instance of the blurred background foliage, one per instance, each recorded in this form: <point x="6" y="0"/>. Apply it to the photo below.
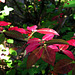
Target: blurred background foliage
<point x="56" y="14"/>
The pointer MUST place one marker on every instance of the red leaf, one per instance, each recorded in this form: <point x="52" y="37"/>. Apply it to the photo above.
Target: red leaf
<point x="1" y="28"/>
<point x="32" y="28"/>
<point x="54" y="47"/>
<point x="21" y="30"/>
<point x="62" y="46"/>
<point x="48" y="37"/>
<point x="71" y="42"/>
<point x="39" y="0"/>
<point x="68" y="53"/>
<point x="34" y="57"/>
<point x="3" y="23"/>
<point x="33" y="40"/>
<point x="63" y="66"/>
<point x="61" y="14"/>
<point x="48" y="56"/>
<point x="31" y="47"/>
<point x="47" y="31"/>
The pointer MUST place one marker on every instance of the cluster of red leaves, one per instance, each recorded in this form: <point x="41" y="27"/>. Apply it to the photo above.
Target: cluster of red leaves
<point x="3" y="23"/>
<point x="47" y="53"/>
<point x="40" y="49"/>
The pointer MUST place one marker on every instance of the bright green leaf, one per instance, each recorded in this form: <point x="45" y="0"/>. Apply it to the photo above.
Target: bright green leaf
<point x="70" y="4"/>
<point x="13" y="52"/>
<point x="10" y="40"/>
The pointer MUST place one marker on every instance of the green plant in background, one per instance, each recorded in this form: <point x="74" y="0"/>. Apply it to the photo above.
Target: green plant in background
<point x="5" y="12"/>
<point x="20" y="37"/>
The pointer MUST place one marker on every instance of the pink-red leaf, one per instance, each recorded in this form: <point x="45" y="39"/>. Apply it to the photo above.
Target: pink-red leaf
<point x="47" y="31"/>
<point x="68" y="53"/>
<point x="54" y="47"/>
<point x="3" y="23"/>
<point x="48" y="37"/>
<point x="31" y="47"/>
<point x="34" y="57"/>
<point x="33" y="40"/>
<point x="71" y="42"/>
<point x="48" y="55"/>
<point x="1" y="28"/>
<point x="62" y="46"/>
<point x="21" y="30"/>
<point x="32" y="28"/>
<point x="63" y="66"/>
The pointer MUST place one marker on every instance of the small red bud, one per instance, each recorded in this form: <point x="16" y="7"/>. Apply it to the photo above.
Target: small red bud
<point x="39" y="0"/>
<point x="68" y="3"/>
<point x="60" y="16"/>
<point x="29" y="35"/>
<point x="1" y="28"/>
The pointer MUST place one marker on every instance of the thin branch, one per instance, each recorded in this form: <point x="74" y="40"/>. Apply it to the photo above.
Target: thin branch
<point x="59" y="28"/>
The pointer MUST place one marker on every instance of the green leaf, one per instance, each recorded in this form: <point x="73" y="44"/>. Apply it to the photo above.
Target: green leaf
<point x="43" y="72"/>
<point x="68" y="36"/>
<point x="74" y="16"/>
<point x="56" y="41"/>
<point x="70" y="4"/>
<point x="9" y="63"/>
<point x="2" y="37"/>
<point x="15" y="35"/>
<point x="11" y="72"/>
<point x="30" y="6"/>
<point x="24" y="72"/>
<point x="13" y="52"/>
<point x="61" y="56"/>
<point x="70" y="73"/>
<point x="10" y="40"/>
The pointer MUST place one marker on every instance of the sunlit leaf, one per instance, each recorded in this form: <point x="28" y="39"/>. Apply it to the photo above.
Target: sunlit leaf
<point x="32" y="28"/>
<point x="13" y="52"/>
<point x="10" y="40"/>
<point x="47" y="31"/>
<point x="48" y="37"/>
